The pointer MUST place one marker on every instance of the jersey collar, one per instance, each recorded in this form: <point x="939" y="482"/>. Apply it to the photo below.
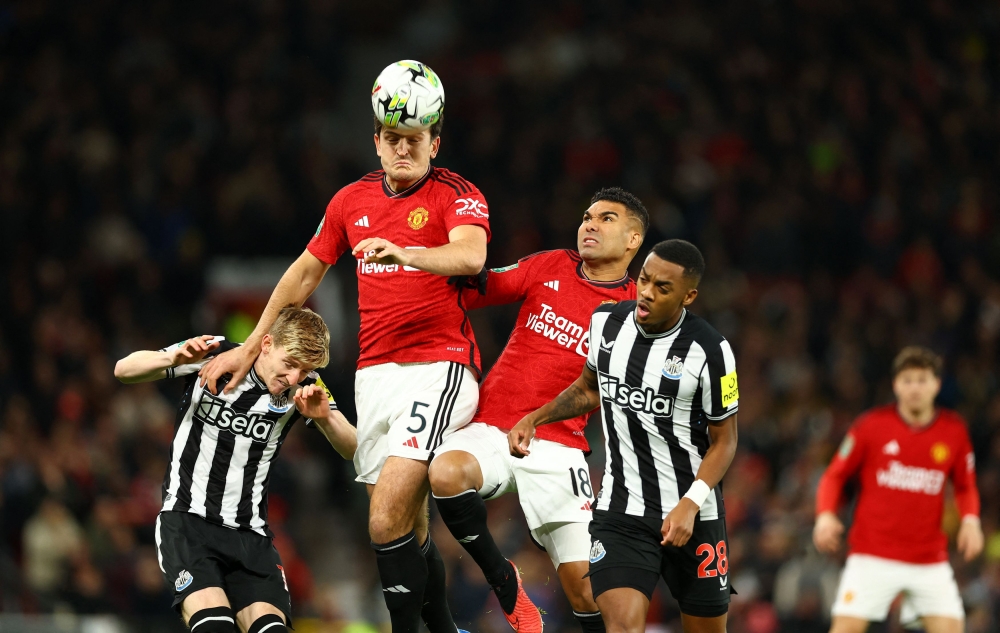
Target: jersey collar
<point x="255" y="378"/>
<point x="672" y="330"/>
<point x="409" y="191"/>
<point x="618" y="283"/>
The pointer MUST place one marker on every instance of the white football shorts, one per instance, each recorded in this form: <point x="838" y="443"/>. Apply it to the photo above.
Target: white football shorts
<point x="869" y="584"/>
<point x="553" y="486"/>
<point x="408" y="410"/>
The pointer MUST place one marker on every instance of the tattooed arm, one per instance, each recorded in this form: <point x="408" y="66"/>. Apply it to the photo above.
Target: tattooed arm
<point x="579" y="398"/>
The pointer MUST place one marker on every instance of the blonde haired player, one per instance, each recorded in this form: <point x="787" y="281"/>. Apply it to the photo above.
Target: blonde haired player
<point x="901" y="454"/>
<point x="212" y="538"/>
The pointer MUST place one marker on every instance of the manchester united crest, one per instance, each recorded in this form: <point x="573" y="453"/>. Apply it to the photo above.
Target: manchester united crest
<point x="418" y="218"/>
<point x="940" y="452"/>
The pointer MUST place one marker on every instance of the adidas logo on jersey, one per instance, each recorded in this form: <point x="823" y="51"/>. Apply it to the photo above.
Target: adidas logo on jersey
<point x="412" y="442"/>
<point x="397" y="589"/>
<point x="362" y="222"/>
<point x="552" y="284"/>
<point x="468" y="539"/>
<point x="585" y="506"/>
<point x="892" y="448"/>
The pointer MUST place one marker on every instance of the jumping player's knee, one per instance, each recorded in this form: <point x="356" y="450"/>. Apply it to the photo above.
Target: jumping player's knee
<point x="453" y="473"/>
<point x="213" y="620"/>
<point x="270" y="623"/>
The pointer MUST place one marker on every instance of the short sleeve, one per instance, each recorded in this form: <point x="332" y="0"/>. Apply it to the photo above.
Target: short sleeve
<point x="469" y="207"/>
<point x="330" y="240"/>
<point x="719" y="385"/>
<point x="190" y="368"/>
<point x="597" y="321"/>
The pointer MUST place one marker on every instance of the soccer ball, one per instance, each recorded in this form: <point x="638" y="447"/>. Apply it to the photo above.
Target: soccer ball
<point x="408" y="95"/>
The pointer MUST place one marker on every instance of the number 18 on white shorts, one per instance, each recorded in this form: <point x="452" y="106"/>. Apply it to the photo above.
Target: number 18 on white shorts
<point x="552" y="483"/>
<point x="407" y="410"/>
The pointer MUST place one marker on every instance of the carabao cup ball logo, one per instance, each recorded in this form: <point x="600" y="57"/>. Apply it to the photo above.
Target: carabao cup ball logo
<point x="408" y="95"/>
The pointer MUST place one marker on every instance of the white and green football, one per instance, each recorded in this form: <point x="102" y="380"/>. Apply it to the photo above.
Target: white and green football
<point x="408" y="95"/>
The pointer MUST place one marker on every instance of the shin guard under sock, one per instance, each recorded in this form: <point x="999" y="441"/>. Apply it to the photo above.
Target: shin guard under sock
<point x="403" y="571"/>
<point x="465" y="516"/>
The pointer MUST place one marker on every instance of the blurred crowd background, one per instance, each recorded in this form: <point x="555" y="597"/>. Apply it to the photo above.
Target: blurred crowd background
<point x="835" y="160"/>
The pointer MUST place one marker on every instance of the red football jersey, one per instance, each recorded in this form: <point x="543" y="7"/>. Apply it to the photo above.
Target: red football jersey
<point x="407" y="315"/>
<point x="549" y="345"/>
<point x="901" y="472"/>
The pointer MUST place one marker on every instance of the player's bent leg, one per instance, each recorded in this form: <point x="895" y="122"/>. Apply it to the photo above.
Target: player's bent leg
<point x="453" y="473"/>
<point x="208" y="607"/>
<point x="623" y="609"/>
<point x="261" y="617"/>
<point x="848" y="624"/>
<point x="699" y="624"/>
<point x="942" y="624"/>
<point x="396" y="502"/>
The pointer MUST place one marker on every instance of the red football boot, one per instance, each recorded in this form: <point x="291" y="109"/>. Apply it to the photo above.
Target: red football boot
<point x="526" y="618"/>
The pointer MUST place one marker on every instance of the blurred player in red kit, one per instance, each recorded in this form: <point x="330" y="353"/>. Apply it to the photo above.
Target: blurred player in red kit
<point x="560" y="290"/>
<point x="901" y="455"/>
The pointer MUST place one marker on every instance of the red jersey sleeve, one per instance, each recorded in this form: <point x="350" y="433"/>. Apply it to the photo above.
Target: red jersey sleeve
<point x="844" y="466"/>
<point x="469" y="208"/>
<point x="509" y="284"/>
<point x="330" y="240"/>
<point x="963" y="477"/>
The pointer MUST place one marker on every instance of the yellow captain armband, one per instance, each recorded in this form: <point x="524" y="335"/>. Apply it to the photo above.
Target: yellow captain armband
<point x="730" y="388"/>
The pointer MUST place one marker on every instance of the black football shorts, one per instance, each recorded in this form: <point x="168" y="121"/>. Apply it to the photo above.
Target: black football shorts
<point x="626" y="552"/>
<point x="195" y="554"/>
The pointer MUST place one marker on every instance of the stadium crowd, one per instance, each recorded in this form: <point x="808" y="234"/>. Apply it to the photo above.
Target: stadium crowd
<point x="835" y="161"/>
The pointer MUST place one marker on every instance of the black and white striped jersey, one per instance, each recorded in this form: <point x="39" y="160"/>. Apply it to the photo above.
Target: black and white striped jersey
<point x="223" y="447"/>
<point x="658" y="392"/>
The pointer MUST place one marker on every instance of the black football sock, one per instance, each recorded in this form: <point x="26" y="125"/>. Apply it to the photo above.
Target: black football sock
<point x="590" y="622"/>
<point x="436" y="613"/>
<point x="270" y="623"/>
<point x="403" y="571"/>
<point x="465" y="516"/>
<point x="213" y="620"/>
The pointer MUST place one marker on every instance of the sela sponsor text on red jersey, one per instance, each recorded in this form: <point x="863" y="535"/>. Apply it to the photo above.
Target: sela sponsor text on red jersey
<point x="407" y="315"/>
<point x="902" y="471"/>
<point x="549" y="344"/>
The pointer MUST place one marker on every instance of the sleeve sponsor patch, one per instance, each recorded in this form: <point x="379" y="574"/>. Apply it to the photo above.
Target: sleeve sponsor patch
<point x="730" y="389"/>
<point x="320" y="383"/>
<point x="846" y="446"/>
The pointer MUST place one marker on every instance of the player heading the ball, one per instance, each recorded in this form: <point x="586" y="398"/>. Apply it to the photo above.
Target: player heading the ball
<point x="410" y="226"/>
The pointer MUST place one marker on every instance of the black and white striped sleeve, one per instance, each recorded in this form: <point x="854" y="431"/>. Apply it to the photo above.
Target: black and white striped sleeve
<point x="597" y="321"/>
<point x="720" y="390"/>
<point x="190" y="368"/>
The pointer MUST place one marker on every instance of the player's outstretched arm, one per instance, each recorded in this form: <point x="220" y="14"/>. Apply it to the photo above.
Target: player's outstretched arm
<point x="148" y="365"/>
<point x="580" y="397"/>
<point x="679" y="523"/>
<point x="296" y="285"/>
<point x="464" y="254"/>
<point x="312" y="402"/>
